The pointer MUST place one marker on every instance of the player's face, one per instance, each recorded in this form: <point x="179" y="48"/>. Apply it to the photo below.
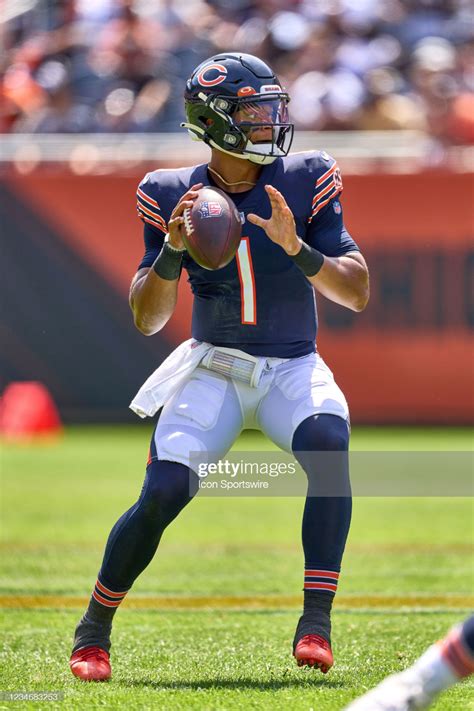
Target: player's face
<point x="264" y="114"/>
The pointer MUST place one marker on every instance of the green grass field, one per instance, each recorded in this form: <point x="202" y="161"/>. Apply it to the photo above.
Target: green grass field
<point x="209" y="624"/>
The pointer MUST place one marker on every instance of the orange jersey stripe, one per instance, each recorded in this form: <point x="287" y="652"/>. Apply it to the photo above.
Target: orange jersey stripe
<point x="321" y="205"/>
<point x="147" y="198"/>
<point x="321" y="194"/>
<point x="326" y="175"/>
<point x="154" y="224"/>
<point x="155" y="216"/>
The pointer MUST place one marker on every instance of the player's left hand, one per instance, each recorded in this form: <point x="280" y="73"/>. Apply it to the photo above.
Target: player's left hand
<point x="280" y="228"/>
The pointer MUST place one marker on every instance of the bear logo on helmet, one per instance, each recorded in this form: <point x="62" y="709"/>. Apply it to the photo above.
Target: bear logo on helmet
<point x="212" y="67"/>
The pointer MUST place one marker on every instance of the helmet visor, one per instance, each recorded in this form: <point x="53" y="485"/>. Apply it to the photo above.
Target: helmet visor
<point x="265" y="124"/>
<point x="262" y="111"/>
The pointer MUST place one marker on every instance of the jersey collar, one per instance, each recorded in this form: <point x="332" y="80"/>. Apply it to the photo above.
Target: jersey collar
<point x="255" y="195"/>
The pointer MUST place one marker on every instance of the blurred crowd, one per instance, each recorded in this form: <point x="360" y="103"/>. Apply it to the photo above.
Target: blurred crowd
<point x="120" y="65"/>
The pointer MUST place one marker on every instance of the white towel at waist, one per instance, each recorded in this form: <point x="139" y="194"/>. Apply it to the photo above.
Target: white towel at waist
<point x="166" y="379"/>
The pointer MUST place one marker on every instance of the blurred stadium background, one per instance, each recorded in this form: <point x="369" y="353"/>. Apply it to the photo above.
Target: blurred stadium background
<point x="90" y="99"/>
<point x="91" y="96"/>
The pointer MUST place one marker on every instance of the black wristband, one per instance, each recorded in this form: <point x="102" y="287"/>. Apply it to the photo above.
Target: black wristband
<point x="167" y="265"/>
<point x="309" y="260"/>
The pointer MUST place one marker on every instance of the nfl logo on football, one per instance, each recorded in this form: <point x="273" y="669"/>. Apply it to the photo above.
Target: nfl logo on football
<point x="210" y="209"/>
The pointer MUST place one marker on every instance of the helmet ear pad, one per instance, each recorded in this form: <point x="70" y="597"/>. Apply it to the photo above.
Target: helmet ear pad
<point x="216" y="125"/>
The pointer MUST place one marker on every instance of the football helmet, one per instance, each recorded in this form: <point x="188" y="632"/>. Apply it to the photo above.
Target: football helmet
<point x="234" y="102"/>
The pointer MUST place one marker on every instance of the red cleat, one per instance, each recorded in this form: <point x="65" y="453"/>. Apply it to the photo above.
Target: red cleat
<point x="91" y="664"/>
<point x="314" y="651"/>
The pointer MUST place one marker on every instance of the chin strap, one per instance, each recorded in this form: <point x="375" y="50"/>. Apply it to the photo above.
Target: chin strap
<point x="260" y="159"/>
<point x="196" y="133"/>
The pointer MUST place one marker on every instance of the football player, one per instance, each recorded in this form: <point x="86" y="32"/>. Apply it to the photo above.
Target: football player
<point x="441" y="666"/>
<point x="258" y="315"/>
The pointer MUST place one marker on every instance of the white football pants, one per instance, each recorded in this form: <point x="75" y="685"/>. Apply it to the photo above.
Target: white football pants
<point x="208" y="412"/>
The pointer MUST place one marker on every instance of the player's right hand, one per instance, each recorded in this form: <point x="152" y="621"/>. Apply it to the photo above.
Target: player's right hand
<point x="176" y="221"/>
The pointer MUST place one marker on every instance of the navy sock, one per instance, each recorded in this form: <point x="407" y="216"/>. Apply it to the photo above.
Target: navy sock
<point x="326" y="517"/>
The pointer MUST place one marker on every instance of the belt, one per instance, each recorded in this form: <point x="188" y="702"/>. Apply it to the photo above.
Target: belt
<point x="239" y="365"/>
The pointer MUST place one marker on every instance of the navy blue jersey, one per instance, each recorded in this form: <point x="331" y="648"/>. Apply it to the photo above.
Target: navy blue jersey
<point x="261" y="302"/>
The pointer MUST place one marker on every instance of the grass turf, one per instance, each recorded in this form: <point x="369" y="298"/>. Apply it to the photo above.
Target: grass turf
<point x="218" y="660"/>
<point x="60" y="500"/>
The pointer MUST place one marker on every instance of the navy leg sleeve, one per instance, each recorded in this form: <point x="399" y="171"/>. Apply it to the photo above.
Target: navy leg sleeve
<point x="135" y="537"/>
<point x="326" y="518"/>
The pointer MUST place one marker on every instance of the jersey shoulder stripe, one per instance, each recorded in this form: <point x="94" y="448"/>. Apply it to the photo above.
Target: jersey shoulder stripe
<point x="148" y="209"/>
<point x="146" y="198"/>
<point x="327" y="175"/>
<point x="326" y="188"/>
<point x="154" y="220"/>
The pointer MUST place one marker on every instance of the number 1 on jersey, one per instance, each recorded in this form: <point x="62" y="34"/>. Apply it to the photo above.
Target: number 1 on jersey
<point x="247" y="283"/>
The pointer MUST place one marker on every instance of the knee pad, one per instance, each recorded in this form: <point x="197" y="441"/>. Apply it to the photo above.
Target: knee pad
<point x="178" y="446"/>
<point x="321" y="433"/>
<point x="166" y="490"/>
<point x="320" y="445"/>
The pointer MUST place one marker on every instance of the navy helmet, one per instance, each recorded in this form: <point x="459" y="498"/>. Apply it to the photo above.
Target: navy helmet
<point x="234" y="102"/>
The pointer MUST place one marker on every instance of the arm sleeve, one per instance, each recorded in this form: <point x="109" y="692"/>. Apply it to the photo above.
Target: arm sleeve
<point x="327" y="232"/>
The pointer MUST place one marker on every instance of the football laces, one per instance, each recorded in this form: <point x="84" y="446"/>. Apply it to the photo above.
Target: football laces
<point x="188" y="224"/>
